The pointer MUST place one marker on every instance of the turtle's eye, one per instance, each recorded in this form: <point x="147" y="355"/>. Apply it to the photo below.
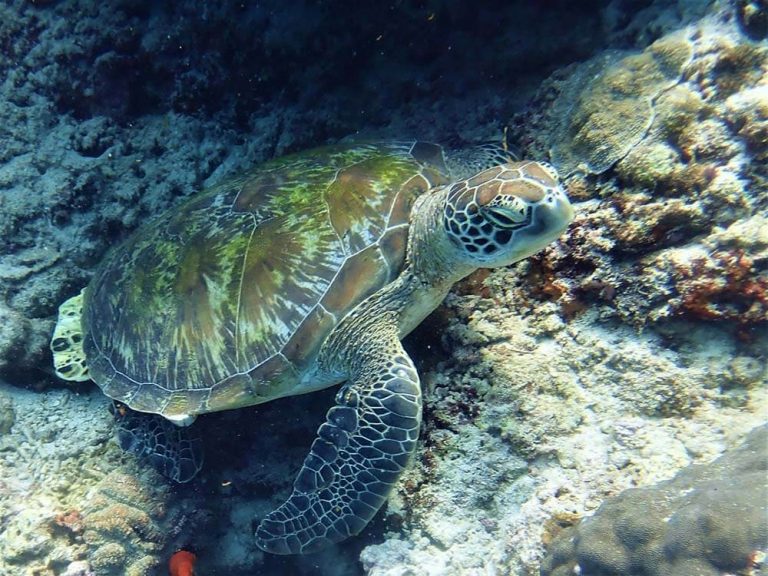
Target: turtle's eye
<point x="512" y="214"/>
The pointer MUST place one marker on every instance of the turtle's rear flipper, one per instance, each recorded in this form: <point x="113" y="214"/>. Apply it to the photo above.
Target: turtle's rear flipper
<point x="67" y="342"/>
<point x="359" y="454"/>
<point x="175" y="452"/>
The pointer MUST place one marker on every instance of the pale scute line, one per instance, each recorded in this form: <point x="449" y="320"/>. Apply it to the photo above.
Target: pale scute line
<point x="240" y="290"/>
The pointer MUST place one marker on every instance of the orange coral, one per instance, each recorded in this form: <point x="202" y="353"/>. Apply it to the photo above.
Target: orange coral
<point x="71" y="521"/>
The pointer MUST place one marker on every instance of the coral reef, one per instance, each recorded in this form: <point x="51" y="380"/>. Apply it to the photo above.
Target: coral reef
<point x="546" y="360"/>
<point x="124" y="524"/>
<point x="655" y="238"/>
<point x="71" y="502"/>
<point x="593" y="407"/>
<point x="709" y="519"/>
<point x="615" y="104"/>
<point x="630" y="350"/>
<point x="721" y="284"/>
<point x="56" y="450"/>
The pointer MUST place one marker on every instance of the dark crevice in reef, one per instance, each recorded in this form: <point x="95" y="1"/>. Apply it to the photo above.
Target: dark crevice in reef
<point x="358" y="60"/>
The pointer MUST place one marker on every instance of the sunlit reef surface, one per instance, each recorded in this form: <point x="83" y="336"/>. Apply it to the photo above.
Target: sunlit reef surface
<point x="632" y="348"/>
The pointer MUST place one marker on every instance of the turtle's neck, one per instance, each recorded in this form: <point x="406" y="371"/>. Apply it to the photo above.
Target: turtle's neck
<point x="432" y="257"/>
<point x="433" y="264"/>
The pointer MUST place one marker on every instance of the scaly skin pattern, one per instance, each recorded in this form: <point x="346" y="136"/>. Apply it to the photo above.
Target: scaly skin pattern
<point x="495" y="218"/>
<point x="175" y="452"/>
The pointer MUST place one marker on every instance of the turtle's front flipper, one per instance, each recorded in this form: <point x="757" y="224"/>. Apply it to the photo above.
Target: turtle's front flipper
<point x="358" y="456"/>
<point x="175" y="452"/>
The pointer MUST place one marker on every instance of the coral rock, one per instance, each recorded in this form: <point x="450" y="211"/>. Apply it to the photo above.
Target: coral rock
<point x="606" y="107"/>
<point x="708" y="519"/>
<point x="123" y="522"/>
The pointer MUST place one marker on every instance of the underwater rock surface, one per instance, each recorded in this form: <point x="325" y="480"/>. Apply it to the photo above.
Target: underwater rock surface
<point x="708" y="519"/>
<point x="628" y="351"/>
<point x="677" y="227"/>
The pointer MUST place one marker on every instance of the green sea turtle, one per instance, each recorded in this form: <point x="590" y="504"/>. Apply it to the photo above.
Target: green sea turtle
<point x="299" y="275"/>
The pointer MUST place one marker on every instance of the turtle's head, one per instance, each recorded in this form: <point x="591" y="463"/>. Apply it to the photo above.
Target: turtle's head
<point x="506" y="213"/>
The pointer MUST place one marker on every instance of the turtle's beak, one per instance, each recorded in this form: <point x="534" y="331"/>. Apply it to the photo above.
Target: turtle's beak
<point x="560" y="214"/>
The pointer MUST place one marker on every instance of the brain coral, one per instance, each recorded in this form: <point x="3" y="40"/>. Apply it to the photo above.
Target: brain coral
<point x="706" y="521"/>
<point x="123" y="525"/>
<point x="614" y="104"/>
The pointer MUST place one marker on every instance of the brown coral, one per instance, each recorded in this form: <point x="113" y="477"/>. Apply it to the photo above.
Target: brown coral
<point x="738" y="66"/>
<point x="646" y="223"/>
<point x="124" y="524"/>
<point x="749" y="113"/>
<point x="723" y="287"/>
<point x="606" y="107"/>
